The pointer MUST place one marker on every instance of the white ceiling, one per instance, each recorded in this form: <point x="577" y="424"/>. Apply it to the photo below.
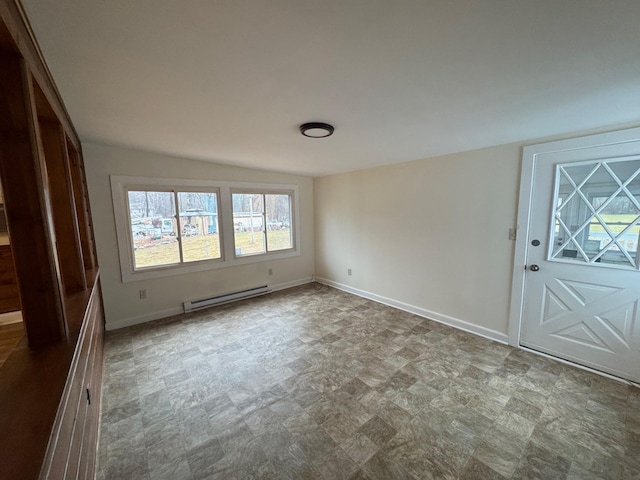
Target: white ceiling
<point x="231" y="80"/>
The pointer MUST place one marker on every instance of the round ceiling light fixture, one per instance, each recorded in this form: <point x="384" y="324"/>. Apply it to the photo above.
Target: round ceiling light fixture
<point x="316" y="130"/>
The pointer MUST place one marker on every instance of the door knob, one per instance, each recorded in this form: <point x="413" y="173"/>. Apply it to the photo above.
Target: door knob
<point x="534" y="267"/>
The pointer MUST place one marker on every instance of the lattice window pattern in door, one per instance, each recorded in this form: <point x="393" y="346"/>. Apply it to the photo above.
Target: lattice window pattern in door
<point x="596" y="217"/>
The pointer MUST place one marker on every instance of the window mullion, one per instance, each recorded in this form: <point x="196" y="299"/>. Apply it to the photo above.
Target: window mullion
<point x="179" y="224"/>
<point x="264" y="223"/>
<point x="132" y="249"/>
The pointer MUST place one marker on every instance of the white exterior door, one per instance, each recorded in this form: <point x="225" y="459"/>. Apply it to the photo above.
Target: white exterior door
<point x="581" y="285"/>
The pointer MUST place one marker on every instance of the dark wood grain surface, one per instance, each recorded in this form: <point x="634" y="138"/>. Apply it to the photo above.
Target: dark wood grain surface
<point x="32" y="382"/>
<point x="48" y="427"/>
<point x="9" y="297"/>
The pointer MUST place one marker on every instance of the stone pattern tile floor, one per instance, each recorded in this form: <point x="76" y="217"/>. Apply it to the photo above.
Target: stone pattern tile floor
<point x="315" y="383"/>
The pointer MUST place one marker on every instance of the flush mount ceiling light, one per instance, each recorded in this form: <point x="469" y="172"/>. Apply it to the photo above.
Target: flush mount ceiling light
<point x="316" y="130"/>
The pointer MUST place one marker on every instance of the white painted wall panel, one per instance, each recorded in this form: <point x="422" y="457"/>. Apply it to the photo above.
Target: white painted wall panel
<point x="432" y="234"/>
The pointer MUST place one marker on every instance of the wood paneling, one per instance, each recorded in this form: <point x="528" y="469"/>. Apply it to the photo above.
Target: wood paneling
<point x="10" y="335"/>
<point x="36" y="387"/>
<point x="47" y="426"/>
<point x="26" y="197"/>
<point x="93" y="382"/>
<point x="6" y="41"/>
<point x="9" y="297"/>
<point x="31" y="384"/>
<point x="42" y="105"/>
<point x="16" y="25"/>
<point x="71" y="452"/>
<point x="63" y="206"/>
<point x="83" y="210"/>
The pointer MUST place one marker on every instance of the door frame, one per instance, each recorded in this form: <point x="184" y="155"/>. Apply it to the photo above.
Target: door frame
<point x="530" y="154"/>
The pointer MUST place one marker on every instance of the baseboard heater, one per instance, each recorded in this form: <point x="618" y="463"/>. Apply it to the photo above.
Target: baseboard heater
<point x="192" y="305"/>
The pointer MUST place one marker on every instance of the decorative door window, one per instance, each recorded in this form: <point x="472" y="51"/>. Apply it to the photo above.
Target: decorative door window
<point x="596" y="218"/>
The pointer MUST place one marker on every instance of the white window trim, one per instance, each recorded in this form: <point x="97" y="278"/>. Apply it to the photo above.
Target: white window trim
<point x="293" y="208"/>
<point x="119" y="186"/>
<point x="175" y="191"/>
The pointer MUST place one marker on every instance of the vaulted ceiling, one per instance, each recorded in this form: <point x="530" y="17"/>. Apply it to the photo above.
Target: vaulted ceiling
<point x="230" y="81"/>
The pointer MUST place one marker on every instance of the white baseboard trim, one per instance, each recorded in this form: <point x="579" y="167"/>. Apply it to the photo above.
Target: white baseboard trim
<point x="149" y="317"/>
<point x="293" y="283"/>
<point x="422" y="312"/>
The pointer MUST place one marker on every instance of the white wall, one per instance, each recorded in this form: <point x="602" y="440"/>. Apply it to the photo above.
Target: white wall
<point x="165" y="295"/>
<point x="430" y="236"/>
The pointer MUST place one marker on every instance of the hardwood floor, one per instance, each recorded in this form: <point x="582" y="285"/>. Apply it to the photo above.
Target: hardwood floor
<point x="10" y="337"/>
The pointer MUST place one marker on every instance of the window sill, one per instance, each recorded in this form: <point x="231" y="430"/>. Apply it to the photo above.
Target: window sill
<point x="172" y="270"/>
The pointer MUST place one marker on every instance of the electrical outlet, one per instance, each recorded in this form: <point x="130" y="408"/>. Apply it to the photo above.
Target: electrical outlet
<point x="270" y="271"/>
<point x="349" y="271"/>
<point x="143" y="293"/>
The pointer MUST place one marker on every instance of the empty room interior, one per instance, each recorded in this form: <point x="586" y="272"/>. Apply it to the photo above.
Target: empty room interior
<point x="353" y="239"/>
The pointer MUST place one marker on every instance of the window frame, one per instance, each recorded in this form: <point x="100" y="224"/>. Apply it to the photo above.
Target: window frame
<point x="595" y="189"/>
<point x="215" y="190"/>
<point x="121" y="185"/>
<point x="175" y="191"/>
<point x="264" y="193"/>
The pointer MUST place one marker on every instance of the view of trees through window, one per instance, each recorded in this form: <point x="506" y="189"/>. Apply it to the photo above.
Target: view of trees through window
<point x="162" y="236"/>
<point x="177" y="226"/>
<point x="618" y="214"/>
<point x="261" y="222"/>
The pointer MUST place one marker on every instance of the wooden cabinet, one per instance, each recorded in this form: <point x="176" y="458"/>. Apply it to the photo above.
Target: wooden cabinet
<point x="9" y="298"/>
<point x="71" y="452"/>
<point x="48" y="429"/>
<point x="50" y="384"/>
